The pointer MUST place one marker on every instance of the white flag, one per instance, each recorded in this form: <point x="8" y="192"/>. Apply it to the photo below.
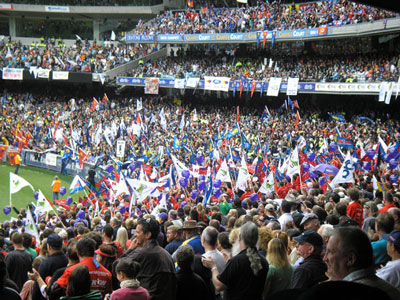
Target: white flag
<point x="163" y="121"/>
<point x="389" y="92"/>
<point x="77" y="184"/>
<point x="30" y="226"/>
<point x="179" y="166"/>
<point x="17" y="183"/>
<point x="345" y="173"/>
<point x="42" y="205"/>
<point x="122" y="187"/>
<point x="243" y="176"/>
<point x="383" y="144"/>
<point x="112" y="35"/>
<point x="268" y="185"/>
<point x="182" y="124"/>
<point x="139" y="105"/>
<point x="293" y="164"/>
<point x="223" y="172"/>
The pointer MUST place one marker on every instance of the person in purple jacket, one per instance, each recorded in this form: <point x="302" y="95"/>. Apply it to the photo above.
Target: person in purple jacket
<point x="127" y="270"/>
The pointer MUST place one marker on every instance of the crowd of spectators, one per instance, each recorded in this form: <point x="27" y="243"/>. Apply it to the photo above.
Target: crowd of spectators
<point x="273" y="15"/>
<point x="83" y="56"/>
<point x="91" y="2"/>
<point x="241" y="242"/>
<point x="316" y="66"/>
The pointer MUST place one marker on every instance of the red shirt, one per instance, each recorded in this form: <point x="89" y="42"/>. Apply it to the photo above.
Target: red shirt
<point x="101" y="277"/>
<point x="386" y="208"/>
<point x="355" y="212"/>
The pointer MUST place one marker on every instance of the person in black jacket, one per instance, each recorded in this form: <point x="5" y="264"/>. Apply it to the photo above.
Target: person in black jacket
<point x="189" y="284"/>
<point x="312" y="270"/>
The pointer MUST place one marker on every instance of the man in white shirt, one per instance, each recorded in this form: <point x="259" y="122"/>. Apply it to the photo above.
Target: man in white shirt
<point x="286" y="215"/>
<point x="209" y="239"/>
<point x="391" y="272"/>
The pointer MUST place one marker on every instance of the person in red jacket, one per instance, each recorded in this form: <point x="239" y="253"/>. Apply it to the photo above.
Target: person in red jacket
<point x="388" y="202"/>
<point x="101" y="277"/>
<point x="355" y="209"/>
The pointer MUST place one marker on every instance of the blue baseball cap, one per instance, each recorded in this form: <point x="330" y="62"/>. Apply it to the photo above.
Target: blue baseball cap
<point x="393" y="237"/>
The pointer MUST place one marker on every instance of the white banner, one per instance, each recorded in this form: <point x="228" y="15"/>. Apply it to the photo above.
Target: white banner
<point x="192" y="82"/>
<point x="4" y="6"/>
<point x="43" y="73"/>
<point x="389" y="92"/>
<point x="51" y="159"/>
<point x="347" y="87"/>
<point x="274" y="86"/>
<point x="216" y="83"/>
<point x="179" y="83"/>
<point x="382" y="91"/>
<point x="292" y="86"/>
<point x="12" y="74"/>
<point x="120" y="149"/>
<point x="53" y="8"/>
<point x="60" y="75"/>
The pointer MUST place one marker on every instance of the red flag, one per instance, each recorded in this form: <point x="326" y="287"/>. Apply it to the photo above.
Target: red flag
<point x="11" y="156"/>
<point x="94" y="104"/>
<point x="105" y="99"/>
<point x="264" y="38"/>
<point x="3" y="151"/>
<point x="82" y="157"/>
<point x="253" y="88"/>
<point x="296" y="104"/>
<point x="297" y="120"/>
<point x="238" y="115"/>
<point x="240" y="88"/>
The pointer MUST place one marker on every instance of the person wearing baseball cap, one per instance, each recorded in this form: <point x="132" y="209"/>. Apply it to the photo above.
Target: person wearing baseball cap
<point x="312" y="270"/>
<point x="391" y="272"/>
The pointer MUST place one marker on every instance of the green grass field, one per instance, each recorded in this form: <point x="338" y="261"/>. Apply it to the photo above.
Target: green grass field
<point x="38" y="178"/>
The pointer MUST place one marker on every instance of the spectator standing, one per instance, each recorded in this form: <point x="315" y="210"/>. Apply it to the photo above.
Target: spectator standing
<point x="18" y="261"/>
<point x="55" y="186"/>
<point x="173" y="238"/>
<point x="354" y="209"/>
<point x="127" y="270"/>
<point x="349" y="257"/>
<point x="391" y="272"/>
<point x="383" y="225"/>
<point x="244" y="274"/>
<point x="312" y="270"/>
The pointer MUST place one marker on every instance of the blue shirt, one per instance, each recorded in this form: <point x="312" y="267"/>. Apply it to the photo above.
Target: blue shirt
<point x="196" y="244"/>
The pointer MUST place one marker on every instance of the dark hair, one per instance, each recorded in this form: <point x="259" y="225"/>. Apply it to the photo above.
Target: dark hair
<point x="332" y="219"/>
<point x="150" y="225"/>
<point x="286" y="206"/>
<point x="223" y="239"/>
<point x="108" y="231"/>
<point x="341" y="209"/>
<point x="385" y="222"/>
<point x="107" y="261"/>
<point x="128" y="266"/>
<point x="27" y="240"/>
<point x="72" y="251"/>
<point x="335" y="197"/>
<point x="354" y="194"/>
<point x="79" y="281"/>
<point x="95" y="236"/>
<point x="237" y="202"/>
<point x="354" y="240"/>
<point x="86" y="247"/>
<point x="17" y="238"/>
<point x="388" y="197"/>
<point x="185" y="257"/>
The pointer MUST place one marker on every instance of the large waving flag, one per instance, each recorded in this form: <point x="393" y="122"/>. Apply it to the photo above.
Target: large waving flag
<point x="245" y="143"/>
<point x="234" y="132"/>
<point x="268" y="185"/>
<point x="345" y="173"/>
<point x="43" y="205"/>
<point x="243" y="176"/>
<point x="338" y="118"/>
<point x="77" y="184"/>
<point x="223" y="172"/>
<point x="17" y="183"/>
<point x="293" y="164"/>
<point x="82" y="158"/>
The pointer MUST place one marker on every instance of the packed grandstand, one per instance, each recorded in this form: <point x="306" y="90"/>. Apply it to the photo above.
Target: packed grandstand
<point x="205" y="165"/>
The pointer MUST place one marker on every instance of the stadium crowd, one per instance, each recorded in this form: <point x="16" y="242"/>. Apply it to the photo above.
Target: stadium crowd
<point x="236" y="63"/>
<point x="83" y="56"/>
<point x="273" y="15"/>
<point x="225" y="241"/>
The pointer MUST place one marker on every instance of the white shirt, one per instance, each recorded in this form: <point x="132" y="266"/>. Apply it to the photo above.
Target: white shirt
<point x="391" y="273"/>
<point x="284" y="219"/>
<point x="218" y="258"/>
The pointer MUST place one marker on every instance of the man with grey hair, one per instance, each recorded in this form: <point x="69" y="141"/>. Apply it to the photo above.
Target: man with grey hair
<point x="173" y="217"/>
<point x="209" y="239"/>
<point x="244" y="274"/>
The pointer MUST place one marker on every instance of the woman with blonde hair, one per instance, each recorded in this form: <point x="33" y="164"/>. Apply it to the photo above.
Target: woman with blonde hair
<point x="122" y="238"/>
<point x="280" y="270"/>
